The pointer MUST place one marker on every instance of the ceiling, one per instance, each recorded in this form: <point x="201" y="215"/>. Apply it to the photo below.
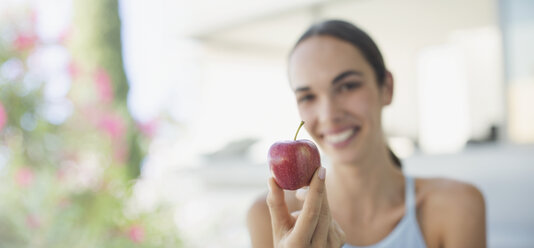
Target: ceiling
<point x="276" y="24"/>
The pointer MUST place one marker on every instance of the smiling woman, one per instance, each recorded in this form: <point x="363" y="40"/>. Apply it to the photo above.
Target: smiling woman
<point x="347" y="81"/>
<point x="341" y="86"/>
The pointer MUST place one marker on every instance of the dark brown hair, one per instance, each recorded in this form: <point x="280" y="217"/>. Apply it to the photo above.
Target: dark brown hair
<point x="350" y="33"/>
<point x="357" y="37"/>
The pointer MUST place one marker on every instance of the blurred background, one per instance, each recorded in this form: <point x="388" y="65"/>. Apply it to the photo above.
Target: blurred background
<point x="147" y="123"/>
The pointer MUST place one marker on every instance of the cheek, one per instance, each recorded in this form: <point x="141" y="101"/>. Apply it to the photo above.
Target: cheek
<point x="363" y="106"/>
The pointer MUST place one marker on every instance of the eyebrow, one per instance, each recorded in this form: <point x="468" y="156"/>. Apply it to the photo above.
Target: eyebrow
<point x="305" y="88"/>
<point x="336" y="80"/>
<point x="345" y="74"/>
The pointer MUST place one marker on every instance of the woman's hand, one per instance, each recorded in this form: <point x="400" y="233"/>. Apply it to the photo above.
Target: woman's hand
<point x="313" y="226"/>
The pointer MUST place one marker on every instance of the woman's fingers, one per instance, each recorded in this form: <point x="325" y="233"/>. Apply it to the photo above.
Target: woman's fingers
<point x="311" y="210"/>
<point x="280" y="217"/>
<point x="312" y="226"/>
<point x="340" y="233"/>
<point x="320" y="236"/>
<point x="336" y="236"/>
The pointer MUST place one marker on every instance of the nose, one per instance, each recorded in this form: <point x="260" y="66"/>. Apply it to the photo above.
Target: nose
<point x="330" y="111"/>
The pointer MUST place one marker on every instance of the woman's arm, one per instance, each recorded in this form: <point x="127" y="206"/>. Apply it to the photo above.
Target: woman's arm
<point x="453" y="214"/>
<point x="259" y="224"/>
<point x="466" y="218"/>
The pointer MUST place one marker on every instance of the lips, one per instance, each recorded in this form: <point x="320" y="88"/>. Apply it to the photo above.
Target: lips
<point x="342" y="137"/>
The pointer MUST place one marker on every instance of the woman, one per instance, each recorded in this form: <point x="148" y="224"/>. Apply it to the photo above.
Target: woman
<point x="341" y="85"/>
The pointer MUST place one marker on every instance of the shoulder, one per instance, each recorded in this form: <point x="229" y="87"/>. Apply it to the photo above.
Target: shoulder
<point x="451" y="211"/>
<point x="259" y="218"/>
<point x="259" y="222"/>
<point x="258" y="213"/>
<point x="449" y="193"/>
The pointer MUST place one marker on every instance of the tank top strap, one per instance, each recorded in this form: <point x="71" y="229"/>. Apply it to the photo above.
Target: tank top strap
<point x="409" y="195"/>
<point x="407" y="232"/>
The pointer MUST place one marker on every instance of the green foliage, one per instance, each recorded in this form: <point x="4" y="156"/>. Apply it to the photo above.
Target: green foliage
<point x="97" y="42"/>
<point x="69" y="183"/>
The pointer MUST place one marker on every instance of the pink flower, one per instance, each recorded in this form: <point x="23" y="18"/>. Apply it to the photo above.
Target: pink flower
<point x="91" y="113"/>
<point x="73" y="70"/>
<point x="3" y="116"/>
<point x="103" y="85"/>
<point x="61" y="174"/>
<point x="34" y="16"/>
<point x="25" y="41"/>
<point x="113" y="125"/>
<point x="65" y="35"/>
<point x="136" y="233"/>
<point x="24" y="176"/>
<point x="32" y="221"/>
<point x="148" y="128"/>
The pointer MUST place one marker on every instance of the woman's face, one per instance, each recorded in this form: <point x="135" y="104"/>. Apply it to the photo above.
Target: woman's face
<point x="338" y="97"/>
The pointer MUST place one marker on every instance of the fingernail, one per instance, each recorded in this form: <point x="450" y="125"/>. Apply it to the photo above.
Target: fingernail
<point x="322" y="173"/>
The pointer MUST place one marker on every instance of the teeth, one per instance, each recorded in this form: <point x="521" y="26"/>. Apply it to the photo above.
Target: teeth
<point x="340" y="137"/>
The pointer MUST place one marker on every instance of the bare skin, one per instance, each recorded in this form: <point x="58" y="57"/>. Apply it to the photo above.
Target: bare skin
<point x="361" y="199"/>
<point x="460" y="222"/>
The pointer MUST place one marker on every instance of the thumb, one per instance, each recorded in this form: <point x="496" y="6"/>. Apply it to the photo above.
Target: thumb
<point x="280" y="217"/>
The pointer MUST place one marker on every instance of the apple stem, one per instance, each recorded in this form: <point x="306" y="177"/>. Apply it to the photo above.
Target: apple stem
<point x="301" y="123"/>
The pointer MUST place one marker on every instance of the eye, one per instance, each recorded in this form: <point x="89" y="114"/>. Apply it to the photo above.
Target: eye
<point x="305" y="98"/>
<point x="348" y="86"/>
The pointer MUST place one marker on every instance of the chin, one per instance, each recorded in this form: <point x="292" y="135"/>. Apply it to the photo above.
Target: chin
<point x="352" y="156"/>
<point x="345" y="161"/>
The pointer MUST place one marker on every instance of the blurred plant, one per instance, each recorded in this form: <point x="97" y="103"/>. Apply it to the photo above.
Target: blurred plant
<point x="69" y="150"/>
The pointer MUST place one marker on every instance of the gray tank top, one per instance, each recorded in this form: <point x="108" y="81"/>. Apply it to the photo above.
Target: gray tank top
<point x="407" y="232"/>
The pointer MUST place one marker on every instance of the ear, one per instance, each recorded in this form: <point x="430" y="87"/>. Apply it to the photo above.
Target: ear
<point x="387" y="89"/>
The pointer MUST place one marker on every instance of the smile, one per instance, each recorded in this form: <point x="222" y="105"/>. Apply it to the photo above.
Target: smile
<point x="342" y="138"/>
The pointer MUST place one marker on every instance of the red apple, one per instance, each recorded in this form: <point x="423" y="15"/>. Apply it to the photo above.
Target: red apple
<point x="293" y="162"/>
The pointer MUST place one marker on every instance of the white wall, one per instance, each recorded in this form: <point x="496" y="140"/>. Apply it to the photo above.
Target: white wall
<point x="402" y="29"/>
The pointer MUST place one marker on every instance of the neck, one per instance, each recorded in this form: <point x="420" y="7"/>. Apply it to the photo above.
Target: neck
<point x="367" y="186"/>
